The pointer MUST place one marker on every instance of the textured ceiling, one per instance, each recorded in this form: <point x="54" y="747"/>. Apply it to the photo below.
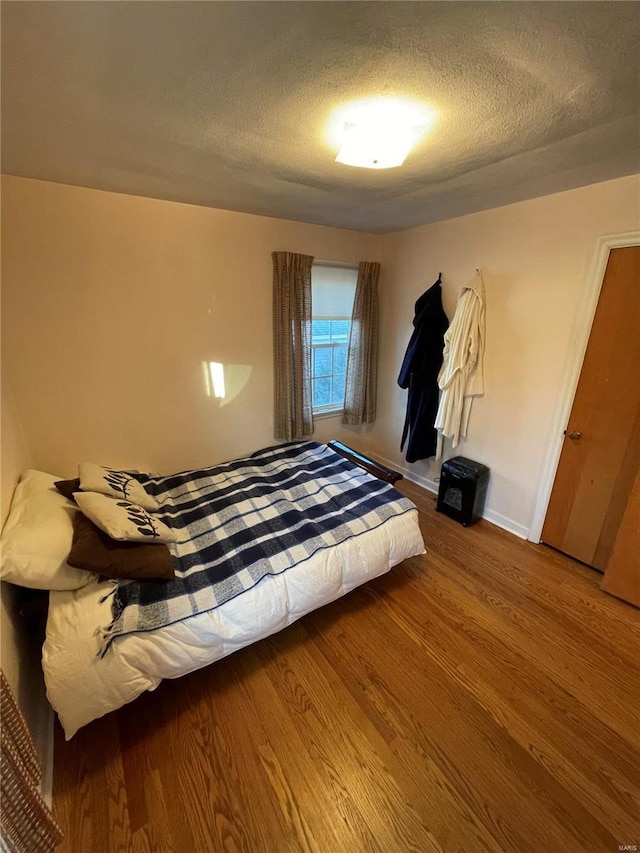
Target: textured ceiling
<point x="227" y="104"/>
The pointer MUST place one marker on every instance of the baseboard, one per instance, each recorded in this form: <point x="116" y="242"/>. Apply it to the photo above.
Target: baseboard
<point x="425" y="482"/>
<point x="506" y="523"/>
<point x="490" y="515"/>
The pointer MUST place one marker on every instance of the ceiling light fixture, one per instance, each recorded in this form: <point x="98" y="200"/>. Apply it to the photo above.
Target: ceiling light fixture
<point x="379" y="134"/>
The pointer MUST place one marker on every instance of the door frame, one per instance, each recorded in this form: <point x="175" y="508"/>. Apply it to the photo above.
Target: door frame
<point x="580" y="334"/>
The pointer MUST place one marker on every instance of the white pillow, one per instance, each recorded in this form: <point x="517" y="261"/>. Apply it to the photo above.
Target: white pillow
<point x="116" y="484"/>
<point x="37" y="537"/>
<point x="123" y="520"/>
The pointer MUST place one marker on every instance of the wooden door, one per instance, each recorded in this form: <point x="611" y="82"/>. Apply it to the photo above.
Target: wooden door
<point x="601" y="452"/>
<point x="622" y="577"/>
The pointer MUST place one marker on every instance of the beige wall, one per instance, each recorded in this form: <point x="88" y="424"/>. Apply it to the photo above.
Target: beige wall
<point x="14" y="455"/>
<point x="113" y="303"/>
<point x="534" y="257"/>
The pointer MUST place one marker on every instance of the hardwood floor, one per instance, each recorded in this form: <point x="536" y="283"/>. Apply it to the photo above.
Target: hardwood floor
<point x="483" y="697"/>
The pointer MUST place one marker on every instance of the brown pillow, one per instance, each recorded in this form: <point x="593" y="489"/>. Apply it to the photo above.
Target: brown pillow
<point x="68" y="487"/>
<point x="96" y="552"/>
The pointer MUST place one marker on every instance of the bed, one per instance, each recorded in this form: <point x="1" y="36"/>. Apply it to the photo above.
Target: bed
<point x="324" y="526"/>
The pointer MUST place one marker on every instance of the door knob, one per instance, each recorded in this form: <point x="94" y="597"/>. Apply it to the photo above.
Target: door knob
<point x="574" y="435"/>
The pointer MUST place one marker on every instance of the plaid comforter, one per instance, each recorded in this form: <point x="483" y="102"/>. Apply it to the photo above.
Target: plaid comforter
<point x="241" y="521"/>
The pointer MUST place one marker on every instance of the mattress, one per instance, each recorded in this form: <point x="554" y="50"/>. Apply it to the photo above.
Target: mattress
<point x="82" y="686"/>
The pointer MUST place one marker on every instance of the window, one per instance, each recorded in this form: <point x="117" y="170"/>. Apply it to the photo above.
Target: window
<point x="332" y="292"/>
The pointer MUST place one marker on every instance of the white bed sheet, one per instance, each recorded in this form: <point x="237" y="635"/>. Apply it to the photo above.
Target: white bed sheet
<point x="81" y="686"/>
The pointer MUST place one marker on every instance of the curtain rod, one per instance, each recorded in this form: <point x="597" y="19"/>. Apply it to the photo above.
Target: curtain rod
<point x="322" y="262"/>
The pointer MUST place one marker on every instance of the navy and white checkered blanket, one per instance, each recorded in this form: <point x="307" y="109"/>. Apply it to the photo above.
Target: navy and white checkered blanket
<point x="241" y="521"/>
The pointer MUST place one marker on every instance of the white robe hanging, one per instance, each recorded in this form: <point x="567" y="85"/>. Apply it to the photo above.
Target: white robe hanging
<point x="461" y="377"/>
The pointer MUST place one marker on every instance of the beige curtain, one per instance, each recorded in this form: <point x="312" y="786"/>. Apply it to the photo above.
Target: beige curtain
<point x="293" y="412"/>
<point x="362" y="357"/>
<point x="27" y="824"/>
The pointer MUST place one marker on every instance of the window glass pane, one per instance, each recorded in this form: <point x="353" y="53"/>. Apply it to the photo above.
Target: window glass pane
<point x="337" y="390"/>
<point x="340" y="331"/>
<point x="322" y="361"/>
<point x="340" y="359"/>
<point x="321" y="392"/>
<point x="333" y="290"/>
<point x="320" y="331"/>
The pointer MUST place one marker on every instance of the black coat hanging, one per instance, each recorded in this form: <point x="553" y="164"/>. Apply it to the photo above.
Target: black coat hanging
<point x="419" y="373"/>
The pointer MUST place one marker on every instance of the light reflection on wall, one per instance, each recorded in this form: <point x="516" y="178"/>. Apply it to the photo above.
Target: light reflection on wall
<point x="216" y="371"/>
<point x="225" y="382"/>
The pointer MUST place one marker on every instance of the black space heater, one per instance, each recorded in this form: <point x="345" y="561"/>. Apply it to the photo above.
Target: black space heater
<point x="463" y="486"/>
